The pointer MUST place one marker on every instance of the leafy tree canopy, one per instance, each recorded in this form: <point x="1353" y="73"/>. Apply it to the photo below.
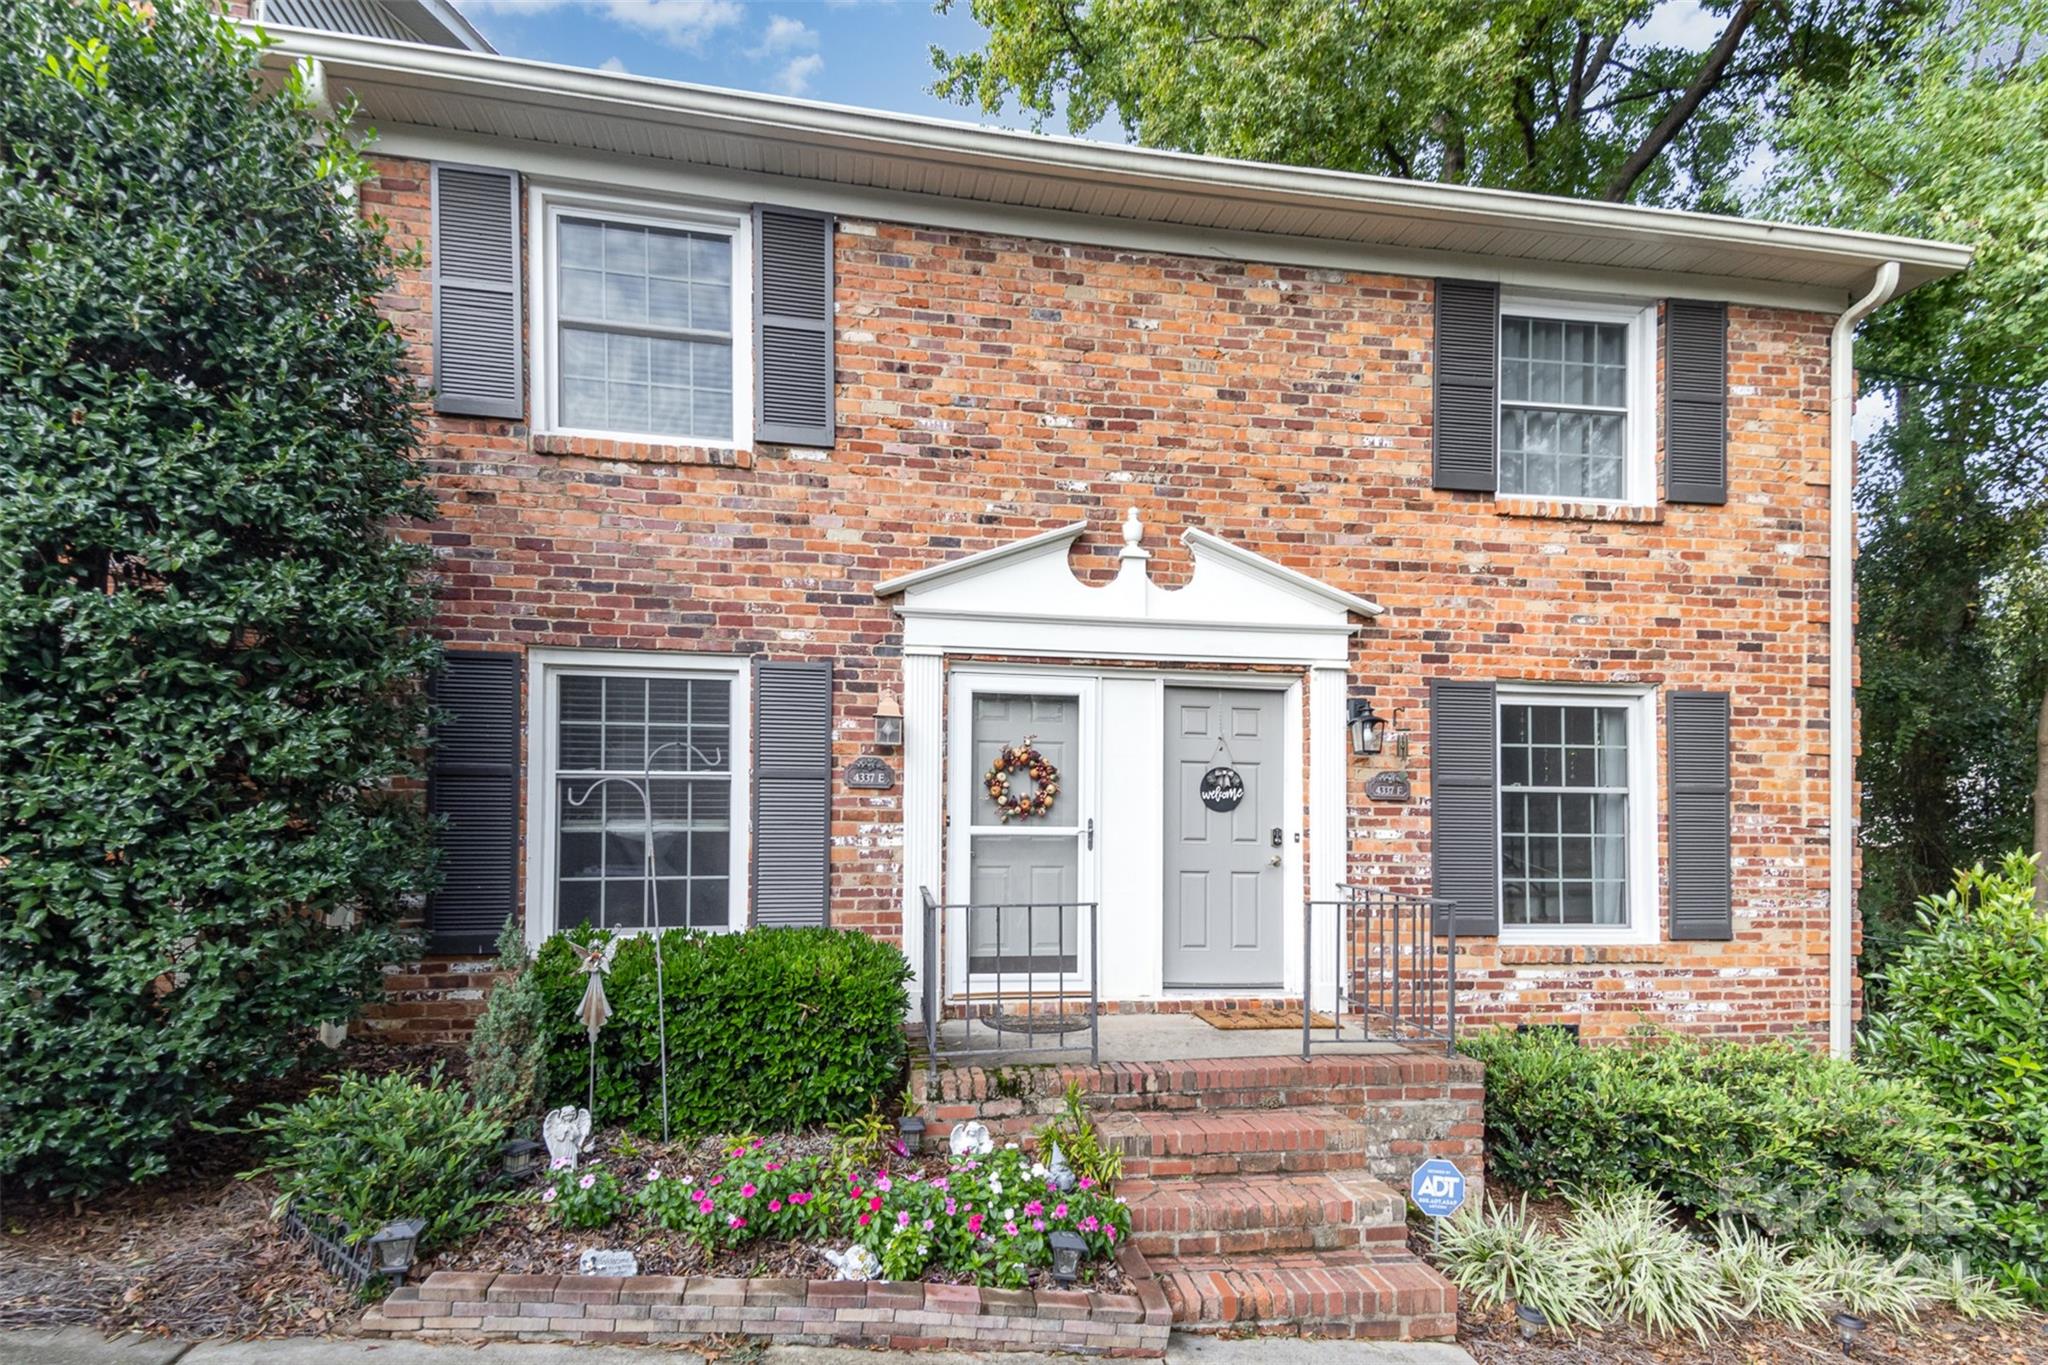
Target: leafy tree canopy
<point x="1570" y="97"/>
<point x="210" y="643"/>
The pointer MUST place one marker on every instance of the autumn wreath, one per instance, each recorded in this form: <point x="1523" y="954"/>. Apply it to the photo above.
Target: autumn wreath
<point x="1021" y="758"/>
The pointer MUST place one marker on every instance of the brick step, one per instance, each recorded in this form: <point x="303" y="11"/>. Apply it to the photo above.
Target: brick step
<point x="1218" y="1083"/>
<point x="1323" y="1211"/>
<point x="1389" y="1295"/>
<point x="1165" y="1146"/>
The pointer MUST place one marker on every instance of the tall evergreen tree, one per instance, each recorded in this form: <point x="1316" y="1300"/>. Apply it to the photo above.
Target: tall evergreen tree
<point x="211" y="644"/>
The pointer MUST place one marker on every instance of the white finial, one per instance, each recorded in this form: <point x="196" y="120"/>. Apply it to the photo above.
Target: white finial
<point x="1134" y="532"/>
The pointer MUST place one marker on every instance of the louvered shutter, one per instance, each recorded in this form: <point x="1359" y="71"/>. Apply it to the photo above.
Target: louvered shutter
<point x="473" y="785"/>
<point x="1466" y="430"/>
<point x="793" y="390"/>
<point x="1695" y="401"/>
<point x="477" y="370"/>
<point x="792" y="792"/>
<point x="1702" y="875"/>
<point x="1464" y="802"/>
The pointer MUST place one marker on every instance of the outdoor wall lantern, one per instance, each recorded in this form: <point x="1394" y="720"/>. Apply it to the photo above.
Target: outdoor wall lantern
<point x="910" y="1128"/>
<point x="392" y="1249"/>
<point x="888" y="722"/>
<point x="1067" y="1247"/>
<point x="1368" y="731"/>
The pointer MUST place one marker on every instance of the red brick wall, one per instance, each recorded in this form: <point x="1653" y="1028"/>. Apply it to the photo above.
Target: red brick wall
<point x="993" y="387"/>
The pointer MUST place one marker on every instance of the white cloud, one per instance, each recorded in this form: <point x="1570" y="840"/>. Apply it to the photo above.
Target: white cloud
<point x="615" y="65"/>
<point x="683" y="23"/>
<point x="785" y="34"/>
<point x="796" y="75"/>
<point x="1680" y="24"/>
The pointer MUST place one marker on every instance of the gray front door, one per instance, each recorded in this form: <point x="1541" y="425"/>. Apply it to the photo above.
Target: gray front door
<point x="1024" y="873"/>
<point x="1223" y="868"/>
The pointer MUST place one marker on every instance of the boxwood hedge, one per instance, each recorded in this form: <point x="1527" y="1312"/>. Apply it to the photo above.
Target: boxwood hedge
<point x="767" y="1029"/>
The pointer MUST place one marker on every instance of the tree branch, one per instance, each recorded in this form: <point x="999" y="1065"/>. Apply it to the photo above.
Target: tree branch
<point x="1723" y="51"/>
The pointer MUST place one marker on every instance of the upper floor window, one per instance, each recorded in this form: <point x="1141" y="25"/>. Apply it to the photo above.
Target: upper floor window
<point x="1576" y="394"/>
<point x="636" y="333"/>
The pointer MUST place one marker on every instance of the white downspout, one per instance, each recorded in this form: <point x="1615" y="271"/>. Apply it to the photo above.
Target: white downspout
<point x="1842" y="656"/>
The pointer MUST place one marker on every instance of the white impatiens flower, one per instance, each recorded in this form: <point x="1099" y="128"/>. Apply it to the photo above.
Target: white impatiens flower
<point x="1038" y="1169"/>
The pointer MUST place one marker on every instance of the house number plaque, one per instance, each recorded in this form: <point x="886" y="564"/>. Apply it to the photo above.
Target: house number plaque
<point x="869" y="773"/>
<point x="1388" y="787"/>
<point x="1222" y="789"/>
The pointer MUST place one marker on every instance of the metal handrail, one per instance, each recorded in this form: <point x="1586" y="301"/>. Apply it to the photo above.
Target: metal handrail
<point x="1390" y="962"/>
<point x="988" y="998"/>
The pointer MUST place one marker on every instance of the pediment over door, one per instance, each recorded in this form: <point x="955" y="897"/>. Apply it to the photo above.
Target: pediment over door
<point x="1023" y="599"/>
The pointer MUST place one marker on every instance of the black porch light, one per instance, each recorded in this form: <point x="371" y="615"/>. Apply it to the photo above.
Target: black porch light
<point x="1368" y="731"/>
<point x="910" y="1128"/>
<point x="393" y="1248"/>
<point x="1067" y="1250"/>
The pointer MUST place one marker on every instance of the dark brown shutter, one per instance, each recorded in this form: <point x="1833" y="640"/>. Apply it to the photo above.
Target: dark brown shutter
<point x="1464" y="802"/>
<point x="793" y="327"/>
<point x="1702" y="872"/>
<point x="1695" y="401"/>
<point x="477" y="370"/>
<point x="473" y="786"/>
<point x="792" y="792"/>
<point x="1466" y="443"/>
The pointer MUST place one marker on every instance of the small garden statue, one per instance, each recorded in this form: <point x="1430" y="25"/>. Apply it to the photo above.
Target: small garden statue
<point x="566" y="1132"/>
<point x="594" y="1008"/>
<point x="970" y="1139"/>
<point x="854" y="1263"/>
<point x="1058" y="1172"/>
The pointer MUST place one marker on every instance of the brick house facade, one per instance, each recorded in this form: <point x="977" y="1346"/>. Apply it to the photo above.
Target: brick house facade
<point x="1060" y="382"/>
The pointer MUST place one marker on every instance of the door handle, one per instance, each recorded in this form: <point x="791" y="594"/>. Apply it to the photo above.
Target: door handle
<point x="1090" y="832"/>
<point x="1273" y="861"/>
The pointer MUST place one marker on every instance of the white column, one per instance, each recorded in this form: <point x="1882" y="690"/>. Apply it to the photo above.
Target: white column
<point x="1329" y="828"/>
<point x="924" y="725"/>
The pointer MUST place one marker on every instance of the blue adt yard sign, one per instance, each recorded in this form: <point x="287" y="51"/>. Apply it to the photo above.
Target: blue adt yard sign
<point x="1437" y="1188"/>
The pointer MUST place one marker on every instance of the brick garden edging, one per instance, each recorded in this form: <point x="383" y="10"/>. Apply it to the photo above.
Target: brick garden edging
<point x="466" y="1306"/>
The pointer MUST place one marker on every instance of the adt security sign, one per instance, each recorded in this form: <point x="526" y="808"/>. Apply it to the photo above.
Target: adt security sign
<point x="1437" y="1188"/>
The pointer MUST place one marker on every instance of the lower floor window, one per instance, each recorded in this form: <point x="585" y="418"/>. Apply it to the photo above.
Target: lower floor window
<point x="642" y="800"/>
<point x="1566" y="813"/>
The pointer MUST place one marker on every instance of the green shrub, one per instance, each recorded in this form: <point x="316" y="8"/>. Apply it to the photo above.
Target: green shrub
<point x="1791" y="1142"/>
<point x="1073" y="1130"/>
<point x="211" y="643"/>
<point x="1967" y="1017"/>
<point x="761" y="1191"/>
<point x="369" y="1151"/>
<point x="1643" y="1267"/>
<point x="508" y="1049"/>
<point x="582" y="1197"/>
<point x="1764" y="1281"/>
<point x="768" y="1030"/>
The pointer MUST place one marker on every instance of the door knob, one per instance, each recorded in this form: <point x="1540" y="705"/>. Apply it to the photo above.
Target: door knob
<point x="1273" y="861"/>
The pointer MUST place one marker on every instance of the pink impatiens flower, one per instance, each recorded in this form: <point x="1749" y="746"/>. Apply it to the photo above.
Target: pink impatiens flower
<point x="1034" y="1208"/>
<point x="1109" y="1231"/>
<point x="974" y="1224"/>
<point x="1059" y="1211"/>
<point x="775" y="1206"/>
<point x="1038" y="1225"/>
<point x="587" y="1181"/>
<point x="884" y="1185"/>
<point x="1089" y="1224"/>
<point x="1009" y="1229"/>
<point x="863" y="1219"/>
<point x="735" y="1222"/>
<point x="747" y="1190"/>
<point x="1086" y="1183"/>
<point x="547" y="1196"/>
<point x="800" y="1198"/>
<point x="903" y="1220"/>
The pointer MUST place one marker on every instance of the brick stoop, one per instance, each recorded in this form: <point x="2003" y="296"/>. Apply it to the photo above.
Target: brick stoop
<point x="1261" y="1190"/>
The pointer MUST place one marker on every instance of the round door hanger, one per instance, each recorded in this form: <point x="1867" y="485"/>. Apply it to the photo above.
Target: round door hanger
<point x="1222" y="789"/>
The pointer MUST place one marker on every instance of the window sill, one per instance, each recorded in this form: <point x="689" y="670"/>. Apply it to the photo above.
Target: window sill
<point x="1565" y="509"/>
<point x="642" y="452"/>
<point x="1523" y="953"/>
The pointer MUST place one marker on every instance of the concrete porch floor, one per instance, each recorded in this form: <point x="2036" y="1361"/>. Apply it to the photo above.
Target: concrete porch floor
<point x="1148" y="1038"/>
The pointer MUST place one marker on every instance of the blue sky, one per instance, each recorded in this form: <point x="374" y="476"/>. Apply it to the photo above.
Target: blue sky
<point x="864" y="52"/>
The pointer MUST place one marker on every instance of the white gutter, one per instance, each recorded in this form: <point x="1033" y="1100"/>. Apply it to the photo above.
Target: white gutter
<point x="1842" y="656"/>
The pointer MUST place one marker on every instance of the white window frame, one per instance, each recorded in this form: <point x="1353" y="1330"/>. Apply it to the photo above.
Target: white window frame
<point x="1639" y="441"/>
<point x="546" y="207"/>
<point x="544" y="670"/>
<point x="1645" y="916"/>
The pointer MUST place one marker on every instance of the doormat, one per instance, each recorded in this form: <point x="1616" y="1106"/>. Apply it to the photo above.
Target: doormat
<point x="1259" y="1018"/>
<point x="1060" y="1022"/>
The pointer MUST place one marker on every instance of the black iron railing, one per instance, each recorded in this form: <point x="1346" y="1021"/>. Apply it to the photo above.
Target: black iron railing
<point x="1027" y="982"/>
<point x="1395" y="977"/>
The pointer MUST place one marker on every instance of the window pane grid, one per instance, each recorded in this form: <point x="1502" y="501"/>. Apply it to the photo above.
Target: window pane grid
<point x="619" y="727"/>
<point x="645" y="329"/>
<point x="1564" y="407"/>
<point x="1564" y="814"/>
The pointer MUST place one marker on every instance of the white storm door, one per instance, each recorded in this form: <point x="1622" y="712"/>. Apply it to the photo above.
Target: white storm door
<point x="1016" y="885"/>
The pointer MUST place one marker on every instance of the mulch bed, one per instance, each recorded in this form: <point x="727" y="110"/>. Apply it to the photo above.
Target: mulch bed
<point x="193" y="1254"/>
<point x="1938" y="1338"/>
